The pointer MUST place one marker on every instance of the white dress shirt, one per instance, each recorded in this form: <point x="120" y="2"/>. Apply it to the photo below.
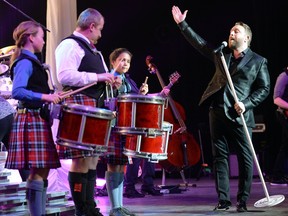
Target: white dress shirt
<point x="69" y="55"/>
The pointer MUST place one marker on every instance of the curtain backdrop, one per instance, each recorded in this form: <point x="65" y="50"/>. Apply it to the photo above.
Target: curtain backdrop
<point x="61" y="21"/>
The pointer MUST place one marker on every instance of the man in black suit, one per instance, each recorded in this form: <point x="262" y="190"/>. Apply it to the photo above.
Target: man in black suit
<point x="251" y="80"/>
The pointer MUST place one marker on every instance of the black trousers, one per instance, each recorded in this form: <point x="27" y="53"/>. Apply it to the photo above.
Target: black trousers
<point x="225" y="134"/>
<point x="281" y="158"/>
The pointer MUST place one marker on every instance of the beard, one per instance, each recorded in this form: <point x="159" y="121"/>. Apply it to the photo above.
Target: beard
<point x="232" y="44"/>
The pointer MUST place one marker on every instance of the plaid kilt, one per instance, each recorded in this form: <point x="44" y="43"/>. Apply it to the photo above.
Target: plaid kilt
<point x="31" y="143"/>
<point x="65" y="152"/>
<point x="115" y="154"/>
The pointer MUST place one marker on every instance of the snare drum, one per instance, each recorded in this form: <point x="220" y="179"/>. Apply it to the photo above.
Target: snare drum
<point x="140" y="114"/>
<point x="152" y="148"/>
<point x="85" y="127"/>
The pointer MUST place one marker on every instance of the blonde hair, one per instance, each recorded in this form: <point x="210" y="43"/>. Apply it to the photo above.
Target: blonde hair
<point x="21" y="34"/>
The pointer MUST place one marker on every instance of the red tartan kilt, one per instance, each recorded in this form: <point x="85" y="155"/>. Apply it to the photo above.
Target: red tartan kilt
<point x="31" y="143"/>
<point x="115" y="149"/>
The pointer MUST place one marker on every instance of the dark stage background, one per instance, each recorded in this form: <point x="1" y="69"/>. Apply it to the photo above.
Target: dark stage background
<point x="146" y="27"/>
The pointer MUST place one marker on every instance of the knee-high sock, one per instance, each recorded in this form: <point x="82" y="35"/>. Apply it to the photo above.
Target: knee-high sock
<point x="90" y="189"/>
<point x="112" y="185"/>
<point x="34" y="191"/>
<point x="44" y="196"/>
<point x="121" y="185"/>
<point x="78" y="184"/>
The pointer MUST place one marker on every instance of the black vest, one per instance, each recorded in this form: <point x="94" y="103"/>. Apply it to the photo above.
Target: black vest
<point x="91" y="62"/>
<point x="38" y="81"/>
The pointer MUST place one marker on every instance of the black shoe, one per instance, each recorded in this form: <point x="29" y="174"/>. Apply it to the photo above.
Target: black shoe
<point x="92" y="209"/>
<point x="223" y="205"/>
<point x="95" y="212"/>
<point x="241" y="206"/>
<point x="268" y="178"/>
<point x="101" y="192"/>
<point x="132" y="193"/>
<point x="152" y="191"/>
<point x="282" y="181"/>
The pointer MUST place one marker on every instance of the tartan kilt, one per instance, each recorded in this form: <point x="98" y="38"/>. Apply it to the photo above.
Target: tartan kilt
<point x="65" y="152"/>
<point x="31" y="143"/>
<point x="115" y="154"/>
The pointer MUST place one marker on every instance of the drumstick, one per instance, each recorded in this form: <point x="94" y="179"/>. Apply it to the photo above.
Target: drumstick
<point x="145" y="82"/>
<point x="146" y="79"/>
<point x="113" y="70"/>
<point x="70" y="92"/>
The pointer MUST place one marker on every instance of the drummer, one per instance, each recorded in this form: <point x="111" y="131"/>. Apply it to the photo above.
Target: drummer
<point x="31" y="145"/>
<point x="79" y="63"/>
<point x="120" y="60"/>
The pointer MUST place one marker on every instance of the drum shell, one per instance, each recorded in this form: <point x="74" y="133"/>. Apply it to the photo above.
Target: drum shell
<point x="153" y="148"/>
<point x="84" y="127"/>
<point x="139" y="113"/>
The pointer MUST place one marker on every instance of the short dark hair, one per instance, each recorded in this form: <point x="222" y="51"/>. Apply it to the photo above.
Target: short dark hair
<point x="88" y="16"/>
<point x="247" y="30"/>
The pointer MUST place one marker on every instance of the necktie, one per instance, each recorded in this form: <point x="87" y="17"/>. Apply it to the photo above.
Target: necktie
<point x="92" y="46"/>
<point x="125" y="87"/>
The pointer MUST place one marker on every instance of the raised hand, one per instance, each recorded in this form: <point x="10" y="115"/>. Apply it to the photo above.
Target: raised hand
<point x="178" y="15"/>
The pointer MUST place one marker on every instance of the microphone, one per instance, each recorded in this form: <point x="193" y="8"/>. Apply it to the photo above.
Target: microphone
<point x="223" y="44"/>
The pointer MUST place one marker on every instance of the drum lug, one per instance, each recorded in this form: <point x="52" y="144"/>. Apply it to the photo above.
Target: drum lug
<point x="151" y="132"/>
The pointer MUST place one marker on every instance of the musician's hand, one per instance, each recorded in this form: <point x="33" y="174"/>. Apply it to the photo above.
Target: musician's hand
<point x="117" y="82"/>
<point x="144" y="89"/>
<point x="165" y="92"/>
<point x="178" y="15"/>
<point x="54" y="98"/>
<point x="106" y="77"/>
<point x="61" y="93"/>
<point x="46" y="66"/>
<point x="239" y="107"/>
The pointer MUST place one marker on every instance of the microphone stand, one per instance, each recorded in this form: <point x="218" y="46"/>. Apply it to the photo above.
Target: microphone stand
<point x="25" y="15"/>
<point x="268" y="201"/>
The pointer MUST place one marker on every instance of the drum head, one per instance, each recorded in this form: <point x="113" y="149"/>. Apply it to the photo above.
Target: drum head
<point x="3" y="69"/>
<point x="89" y="111"/>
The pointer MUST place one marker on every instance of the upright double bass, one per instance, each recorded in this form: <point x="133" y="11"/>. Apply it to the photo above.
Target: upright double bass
<point x="183" y="150"/>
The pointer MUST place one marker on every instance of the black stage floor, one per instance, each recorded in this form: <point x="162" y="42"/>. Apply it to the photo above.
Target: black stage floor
<point x="200" y="198"/>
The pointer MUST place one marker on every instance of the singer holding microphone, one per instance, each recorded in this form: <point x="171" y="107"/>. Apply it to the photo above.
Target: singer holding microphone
<point x="251" y="79"/>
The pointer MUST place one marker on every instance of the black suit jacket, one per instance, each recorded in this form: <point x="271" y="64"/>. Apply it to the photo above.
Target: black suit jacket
<point x="250" y="79"/>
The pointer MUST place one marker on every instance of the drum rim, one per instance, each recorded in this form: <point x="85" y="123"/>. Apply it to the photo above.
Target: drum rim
<point x="82" y="146"/>
<point x="141" y="98"/>
<point x="93" y="111"/>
